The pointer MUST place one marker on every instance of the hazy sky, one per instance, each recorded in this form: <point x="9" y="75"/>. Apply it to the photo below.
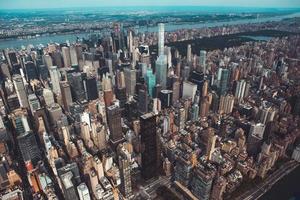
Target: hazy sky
<point x="25" y="4"/>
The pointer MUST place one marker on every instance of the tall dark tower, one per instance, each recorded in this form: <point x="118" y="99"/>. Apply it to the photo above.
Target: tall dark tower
<point x="150" y="153"/>
<point x="90" y="86"/>
<point x="114" y="124"/>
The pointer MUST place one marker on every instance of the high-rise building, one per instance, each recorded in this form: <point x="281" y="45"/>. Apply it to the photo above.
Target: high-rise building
<point x="83" y="192"/>
<point x="201" y="182"/>
<point x="34" y="103"/>
<point x="5" y="70"/>
<point x="143" y="101"/>
<point x="114" y="124"/>
<point x="130" y="80"/>
<point x="223" y="77"/>
<point x="31" y="71"/>
<point x="194" y="112"/>
<point x="176" y="92"/>
<point x="204" y="107"/>
<point x="90" y="87"/>
<point x="48" y="96"/>
<point x="66" y="56"/>
<point x="68" y="186"/>
<point x="55" y="78"/>
<point x="151" y="81"/>
<point x="161" y="39"/>
<point x="66" y="94"/>
<point x="240" y="89"/>
<point x="28" y="147"/>
<point x="189" y="53"/>
<point x="165" y="97"/>
<point x="77" y="89"/>
<point x="226" y="104"/>
<point x="189" y="90"/>
<point x="218" y="188"/>
<point x="161" y="71"/>
<point x="202" y="62"/>
<point x="150" y="153"/>
<point x="73" y="55"/>
<point x="48" y="60"/>
<point x="20" y="90"/>
<point x="125" y="169"/>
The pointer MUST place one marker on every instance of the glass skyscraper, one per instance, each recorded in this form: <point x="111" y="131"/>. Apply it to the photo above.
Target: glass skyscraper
<point x="151" y="81"/>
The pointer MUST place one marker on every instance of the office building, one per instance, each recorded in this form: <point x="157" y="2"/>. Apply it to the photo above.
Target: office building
<point x="83" y="192"/>
<point x="165" y="98"/>
<point x="223" y="77"/>
<point x="68" y="186"/>
<point x="189" y="53"/>
<point x="151" y="81"/>
<point x="28" y="147"/>
<point x="150" y="153"/>
<point x="130" y="80"/>
<point x="161" y="39"/>
<point x="20" y="90"/>
<point x="31" y="71"/>
<point x="66" y="94"/>
<point x="189" y="90"/>
<point x="125" y="170"/>
<point x="202" y="62"/>
<point x="55" y="78"/>
<point x="66" y="56"/>
<point x="143" y="101"/>
<point x="90" y="87"/>
<point x="48" y="96"/>
<point x="201" y="182"/>
<point x="161" y="71"/>
<point x="114" y="123"/>
<point x="77" y="89"/>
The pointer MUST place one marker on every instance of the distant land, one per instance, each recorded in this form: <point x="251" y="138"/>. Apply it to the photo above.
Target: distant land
<point x="224" y="41"/>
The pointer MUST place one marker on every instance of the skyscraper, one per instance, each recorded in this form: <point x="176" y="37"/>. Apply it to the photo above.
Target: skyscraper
<point x="202" y="62"/>
<point x="66" y="56"/>
<point x="77" y="89"/>
<point x="114" y="124"/>
<point x="28" y="147"/>
<point x="161" y="71"/>
<point x="130" y="80"/>
<point x="161" y="39"/>
<point x="125" y="169"/>
<point x="20" y="90"/>
<point x="201" y="182"/>
<point x="83" y="192"/>
<point x="189" y="53"/>
<point x="223" y="76"/>
<point x="90" y="87"/>
<point x="31" y="72"/>
<point x="150" y="154"/>
<point x="66" y="94"/>
<point x="165" y="97"/>
<point x="55" y="78"/>
<point x="151" y="81"/>
<point x="143" y="101"/>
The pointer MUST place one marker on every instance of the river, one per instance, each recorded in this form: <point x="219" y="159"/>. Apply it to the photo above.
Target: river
<point x="17" y="43"/>
<point x="288" y="188"/>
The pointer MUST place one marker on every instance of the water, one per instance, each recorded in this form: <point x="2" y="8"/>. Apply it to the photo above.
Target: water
<point x="173" y="27"/>
<point x="258" y="38"/>
<point x="17" y="43"/>
<point x="287" y="188"/>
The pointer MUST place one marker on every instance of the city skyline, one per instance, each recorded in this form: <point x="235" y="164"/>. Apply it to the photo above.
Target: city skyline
<point x="34" y="4"/>
<point x="164" y="102"/>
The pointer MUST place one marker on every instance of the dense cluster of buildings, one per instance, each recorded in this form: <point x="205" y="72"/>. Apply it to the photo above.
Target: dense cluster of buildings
<point x="95" y="121"/>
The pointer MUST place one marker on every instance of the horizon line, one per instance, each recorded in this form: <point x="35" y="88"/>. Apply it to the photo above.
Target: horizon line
<point x="149" y="6"/>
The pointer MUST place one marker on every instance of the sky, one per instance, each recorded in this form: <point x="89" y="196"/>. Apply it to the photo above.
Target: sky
<point x="34" y="4"/>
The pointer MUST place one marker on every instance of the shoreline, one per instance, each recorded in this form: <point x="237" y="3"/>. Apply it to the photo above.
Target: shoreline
<point x="268" y="183"/>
